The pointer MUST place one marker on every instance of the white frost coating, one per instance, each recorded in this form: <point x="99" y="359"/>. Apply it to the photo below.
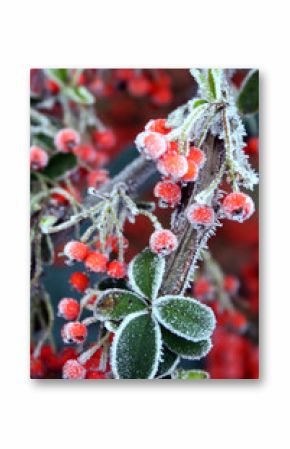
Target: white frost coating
<point x="159" y="272"/>
<point x="171" y="369"/>
<point x="110" y="326"/>
<point x="168" y="298"/>
<point x="158" y="342"/>
<point x="101" y="317"/>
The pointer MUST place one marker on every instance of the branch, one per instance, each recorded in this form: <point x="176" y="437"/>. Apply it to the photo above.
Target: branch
<point x="181" y="264"/>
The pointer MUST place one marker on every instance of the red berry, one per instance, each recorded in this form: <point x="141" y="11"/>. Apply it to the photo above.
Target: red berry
<point x="72" y="369"/>
<point x="252" y="146"/>
<point x="151" y="144"/>
<point x="192" y="172"/>
<point x="112" y="243"/>
<point x="79" y="281"/>
<point x="97" y="177"/>
<point x="66" y="139"/>
<point x="168" y="192"/>
<point x="158" y="126"/>
<point x="96" y="262"/>
<point x="74" y="332"/>
<point x="104" y="139"/>
<point x="139" y="86"/>
<point x="200" y="215"/>
<point x="37" y="369"/>
<point x="116" y="269"/>
<point x="52" y="86"/>
<point x="96" y="375"/>
<point x="231" y="284"/>
<point x="68" y="308"/>
<point x="76" y="251"/>
<point x="92" y="300"/>
<point x="238" y="320"/>
<point x="172" y="164"/>
<point x="86" y="153"/>
<point x="38" y="158"/>
<point x="238" y="206"/>
<point x="196" y="155"/>
<point x="125" y="74"/>
<point x="203" y="289"/>
<point x="163" y="242"/>
<point x="162" y="96"/>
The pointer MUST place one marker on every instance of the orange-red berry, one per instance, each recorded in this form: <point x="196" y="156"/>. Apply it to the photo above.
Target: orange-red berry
<point x="231" y="284"/>
<point x="196" y="155"/>
<point x="79" y="281"/>
<point x="172" y="164"/>
<point x="74" y="332"/>
<point x="139" y="86"/>
<point x="163" y="242"/>
<point x="105" y="139"/>
<point x="68" y="308"/>
<point x="192" y="172"/>
<point x="200" y="215"/>
<point x="72" y="369"/>
<point x="238" y="206"/>
<point x="151" y="144"/>
<point x="97" y="177"/>
<point x="158" y="126"/>
<point x="96" y="262"/>
<point x="66" y="139"/>
<point x="117" y="269"/>
<point x="203" y="289"/>
<point x="76" y="251"/>
<point x="38" y="158"/>
<point x="168" y="192"/>
<point x="162" y="95"/>
<point x="85" y="152"/>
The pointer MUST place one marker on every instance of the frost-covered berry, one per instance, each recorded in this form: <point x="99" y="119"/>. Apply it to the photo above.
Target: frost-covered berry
<point x="173" y="164"/>
<point x="105" y="139"/>
<point x="163" y="242"/>
<point x="79" y="281"/>
<point x="76" y="251"/>
<point x="86" y="153"/>
<point x="231" y="284"/>
<point x="72" y="369"/>
<point x="200" y="215"/>
<point x="68" y="308"/>
<point x="66" y="139"/>
<point x="38" y="158"/>
<point x="168" y="192"/>
<point x="238" y="206"/>
<point x="116" y="269"/>
<point x="196" y="155"/>
<point x="192" y="172"/>
<point x="96" y="178"/>
<point x="158" y="126"/>
<point x="96" y="262"/>
<point x="74" y="332"/>
<point x="151" y="144"/>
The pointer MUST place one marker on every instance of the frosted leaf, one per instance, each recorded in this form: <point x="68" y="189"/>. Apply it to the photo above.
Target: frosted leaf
<point x="115" y="304"/>
<point x="184" y="348"/>
<point x="168" y="363"/>
<point x="145" y="273"/>
<point x="248" y="99"/>
<point x="193" y="374"/>
<point x="136" y="348"/>
<point x="111" y="326"/>
<point x="185" y="317"/>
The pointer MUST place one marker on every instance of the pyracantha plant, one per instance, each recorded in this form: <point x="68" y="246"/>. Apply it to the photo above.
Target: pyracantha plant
<point x="149" y="321"/>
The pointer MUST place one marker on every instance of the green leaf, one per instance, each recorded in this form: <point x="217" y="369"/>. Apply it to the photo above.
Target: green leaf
<point x="145" y="273"/>
<point x="248" y="99"/>
<point x="115" y="304"/>
<point x="192" y="350"/>
<point x="60" y="76"/>
<point x="136" y="347"/>
<point x="190" y="374"/>
<point x="59" y="164"/>
<point x="185" y="317"/>
<point x="80" y="94"/>
<point x="168" y="363"/>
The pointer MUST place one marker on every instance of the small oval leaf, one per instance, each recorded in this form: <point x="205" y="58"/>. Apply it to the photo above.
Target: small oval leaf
<point x="145" y="273"/>
<point x="136" y="347"/>
<point x="59" y="164"/>
<point x="115" y="304"/>
<point x="192" y="350"/>
<point x="185" y="317"/>
<point x="248" y="99"/>
<point x="193" y="374"/>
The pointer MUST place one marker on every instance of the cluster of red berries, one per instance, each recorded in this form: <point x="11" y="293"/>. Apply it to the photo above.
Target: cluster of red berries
<point x="95" y="261"/>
